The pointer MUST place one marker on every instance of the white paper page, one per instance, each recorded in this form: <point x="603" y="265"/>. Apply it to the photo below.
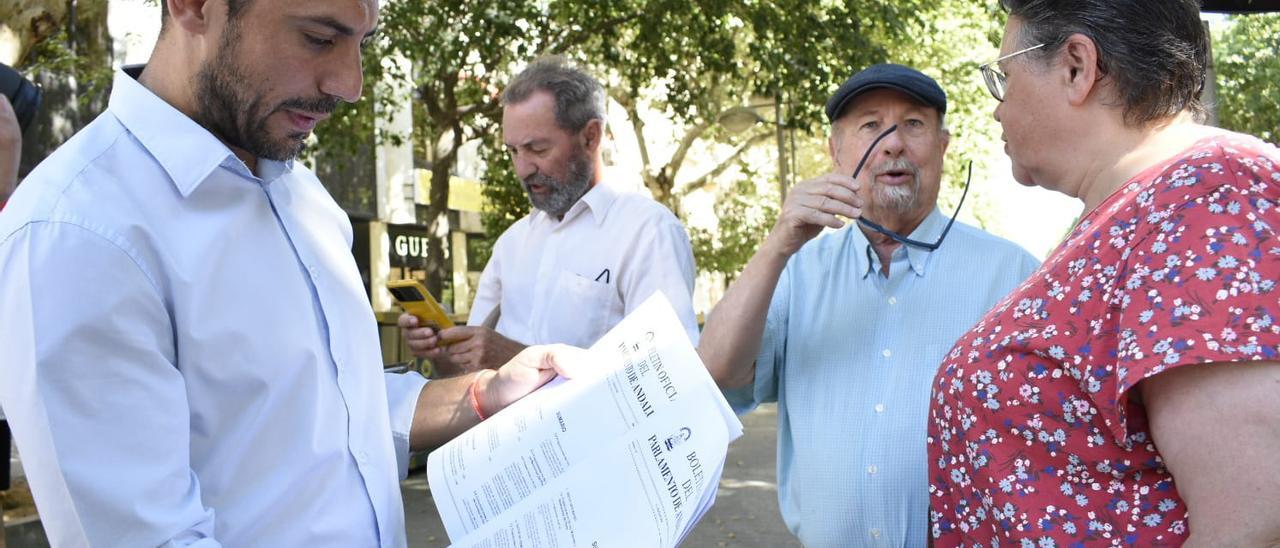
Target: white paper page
<point x="564" y="442"/>
<point x="645" y="489"/>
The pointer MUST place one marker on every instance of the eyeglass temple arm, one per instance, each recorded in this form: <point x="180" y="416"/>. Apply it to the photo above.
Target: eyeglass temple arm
<point x="863" y="162"/>
<point x="875" y="226"/>
<point x="968" y="179"/>
<point x="872" y="148"/>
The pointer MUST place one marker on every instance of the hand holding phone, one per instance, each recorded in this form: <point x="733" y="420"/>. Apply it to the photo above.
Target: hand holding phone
<point x="415" y="300"/>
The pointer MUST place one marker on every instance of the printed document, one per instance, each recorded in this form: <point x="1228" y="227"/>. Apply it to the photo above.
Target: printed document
<point x="629" y="454"/>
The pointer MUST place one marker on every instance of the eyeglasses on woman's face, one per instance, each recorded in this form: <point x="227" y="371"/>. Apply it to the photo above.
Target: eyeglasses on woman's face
<point x="994" y="78"/>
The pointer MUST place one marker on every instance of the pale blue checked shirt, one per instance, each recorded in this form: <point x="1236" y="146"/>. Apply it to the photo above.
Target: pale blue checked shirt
<point x="849" y="356"/>
<point x="187" y="354"/>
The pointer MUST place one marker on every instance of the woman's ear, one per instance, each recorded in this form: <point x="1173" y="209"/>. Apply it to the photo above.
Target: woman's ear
<point x="1080" y="60"/>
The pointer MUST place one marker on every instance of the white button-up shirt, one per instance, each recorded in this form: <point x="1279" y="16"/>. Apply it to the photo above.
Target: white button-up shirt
<point x="187" y="355"/>
<point x="570" y="281"/>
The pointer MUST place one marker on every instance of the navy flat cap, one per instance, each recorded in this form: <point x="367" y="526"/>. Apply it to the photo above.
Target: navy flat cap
<point x="904" y="79"/>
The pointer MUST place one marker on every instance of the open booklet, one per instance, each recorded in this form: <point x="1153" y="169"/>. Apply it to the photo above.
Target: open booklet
<point x="628" y="455"/>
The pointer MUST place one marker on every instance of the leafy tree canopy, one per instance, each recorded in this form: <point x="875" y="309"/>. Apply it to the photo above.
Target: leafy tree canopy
<point x="1247" y="58"/>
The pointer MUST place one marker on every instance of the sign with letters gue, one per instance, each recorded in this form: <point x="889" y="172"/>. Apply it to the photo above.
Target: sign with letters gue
<point x="408" y="246"/>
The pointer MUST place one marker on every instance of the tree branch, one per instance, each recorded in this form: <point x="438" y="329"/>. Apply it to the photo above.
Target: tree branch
<point x="569" y="38"/>
<point x="716" y="171"/>
<point x="629" y="105"/>
<point x="691" y="136"/>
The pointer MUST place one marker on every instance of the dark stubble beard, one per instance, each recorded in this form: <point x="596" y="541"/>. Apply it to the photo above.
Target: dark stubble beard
<point x="228" y="105"/>
<point x="563" y="194"/>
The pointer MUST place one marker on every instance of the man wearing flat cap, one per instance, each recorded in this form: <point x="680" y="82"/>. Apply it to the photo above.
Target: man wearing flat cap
<point x="844" y="330"/>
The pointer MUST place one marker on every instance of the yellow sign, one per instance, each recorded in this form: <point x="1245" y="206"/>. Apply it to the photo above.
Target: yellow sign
<point x="464" y="194"/>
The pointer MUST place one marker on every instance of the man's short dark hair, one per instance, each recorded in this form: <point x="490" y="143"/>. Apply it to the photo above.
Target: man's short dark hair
<point x="234" y="9"/>
<point x="579" y="97"/>
<point x="1156" y="53"/>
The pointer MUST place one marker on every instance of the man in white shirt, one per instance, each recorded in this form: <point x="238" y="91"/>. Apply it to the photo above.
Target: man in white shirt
<point x="187" y="355"/>
<point x="586" y="256"/>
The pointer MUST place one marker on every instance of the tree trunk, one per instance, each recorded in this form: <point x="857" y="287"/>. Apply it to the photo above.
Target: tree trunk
<point x="437" y="218"/>
<point x="32" y="21"/>
<point x="71" y="100"/>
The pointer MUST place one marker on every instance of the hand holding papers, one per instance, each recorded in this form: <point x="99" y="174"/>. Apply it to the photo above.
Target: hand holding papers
<point x="629" y="452"/>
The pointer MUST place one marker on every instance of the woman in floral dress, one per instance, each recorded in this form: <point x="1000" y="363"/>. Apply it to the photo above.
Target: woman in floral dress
<point x="1128" y="392"/>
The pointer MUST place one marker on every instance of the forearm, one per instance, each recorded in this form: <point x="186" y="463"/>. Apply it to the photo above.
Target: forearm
<point x="731" y="336"/>
<point x="444" y="410"/>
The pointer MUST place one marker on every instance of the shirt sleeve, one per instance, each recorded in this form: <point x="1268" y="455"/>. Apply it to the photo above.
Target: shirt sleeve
<point x="93" y="394"/>
<point x="664" y="262"/>
<point x="489" y="292"/>
<point x="403" y="390"/>
<point x="772" y="355"/>
<point x="1199" y="287"/>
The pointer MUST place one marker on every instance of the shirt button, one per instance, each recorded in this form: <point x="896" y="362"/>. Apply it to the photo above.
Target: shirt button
<point x="886" y="353"/>
<point x="879" y="408"/>
<point x="361" y="456"/>
<point x="875" y="533"/>
<point x="893" y="300"/>
<point x="872" y="469"/>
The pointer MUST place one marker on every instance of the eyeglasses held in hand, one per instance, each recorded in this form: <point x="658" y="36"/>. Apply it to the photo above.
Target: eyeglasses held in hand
<point x="894" y="235"/>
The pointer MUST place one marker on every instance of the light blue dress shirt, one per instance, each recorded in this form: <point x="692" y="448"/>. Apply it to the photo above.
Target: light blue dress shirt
<point x="187" y="354"/>
<point x="849" y="357"/>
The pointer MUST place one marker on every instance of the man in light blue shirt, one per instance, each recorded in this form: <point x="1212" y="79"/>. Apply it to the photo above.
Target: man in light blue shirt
<point x="845" y="331"/>
<point x="187" y="355"/>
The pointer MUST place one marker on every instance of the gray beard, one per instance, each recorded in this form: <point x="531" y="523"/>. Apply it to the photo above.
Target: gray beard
<point x="895" y="200"/>
<point x="563" y="194"/>
<point x="898" y="199"/>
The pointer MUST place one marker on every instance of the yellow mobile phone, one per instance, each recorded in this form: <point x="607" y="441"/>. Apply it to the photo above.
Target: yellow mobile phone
<point x="417" y="301"/>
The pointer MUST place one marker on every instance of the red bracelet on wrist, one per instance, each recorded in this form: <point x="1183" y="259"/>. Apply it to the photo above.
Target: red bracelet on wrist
<point x="475" y="399"/>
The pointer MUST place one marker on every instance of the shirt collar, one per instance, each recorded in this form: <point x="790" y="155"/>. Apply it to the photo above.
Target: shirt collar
<point x="928" y="231"/>
<point x="597" y="201"/>
<point x="187" y="151"/>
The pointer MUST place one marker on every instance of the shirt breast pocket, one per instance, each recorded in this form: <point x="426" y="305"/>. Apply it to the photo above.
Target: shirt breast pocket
<point x="581" y="310"/>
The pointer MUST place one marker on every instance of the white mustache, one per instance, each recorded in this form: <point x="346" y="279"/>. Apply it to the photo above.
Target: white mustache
<point x="900" y="164"/>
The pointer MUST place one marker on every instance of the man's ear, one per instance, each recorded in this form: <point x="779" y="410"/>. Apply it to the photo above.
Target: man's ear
<point x="1080" y="61"/>
<point x="833" y="143"/>
<point x="592" y="134"/>
<point x="193" y="16"/>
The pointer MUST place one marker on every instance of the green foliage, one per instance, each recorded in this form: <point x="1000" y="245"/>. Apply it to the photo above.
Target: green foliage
<point x="688" y="60"/>
<point x="744" y="218"/>
<point x="1247" y="59"/>
<point x="57" y="57"/>
<point x="723" y="54"/>
<point x="505" y="198"/>
<point x="74" y="69"/>
<point x="946" y="39"/>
